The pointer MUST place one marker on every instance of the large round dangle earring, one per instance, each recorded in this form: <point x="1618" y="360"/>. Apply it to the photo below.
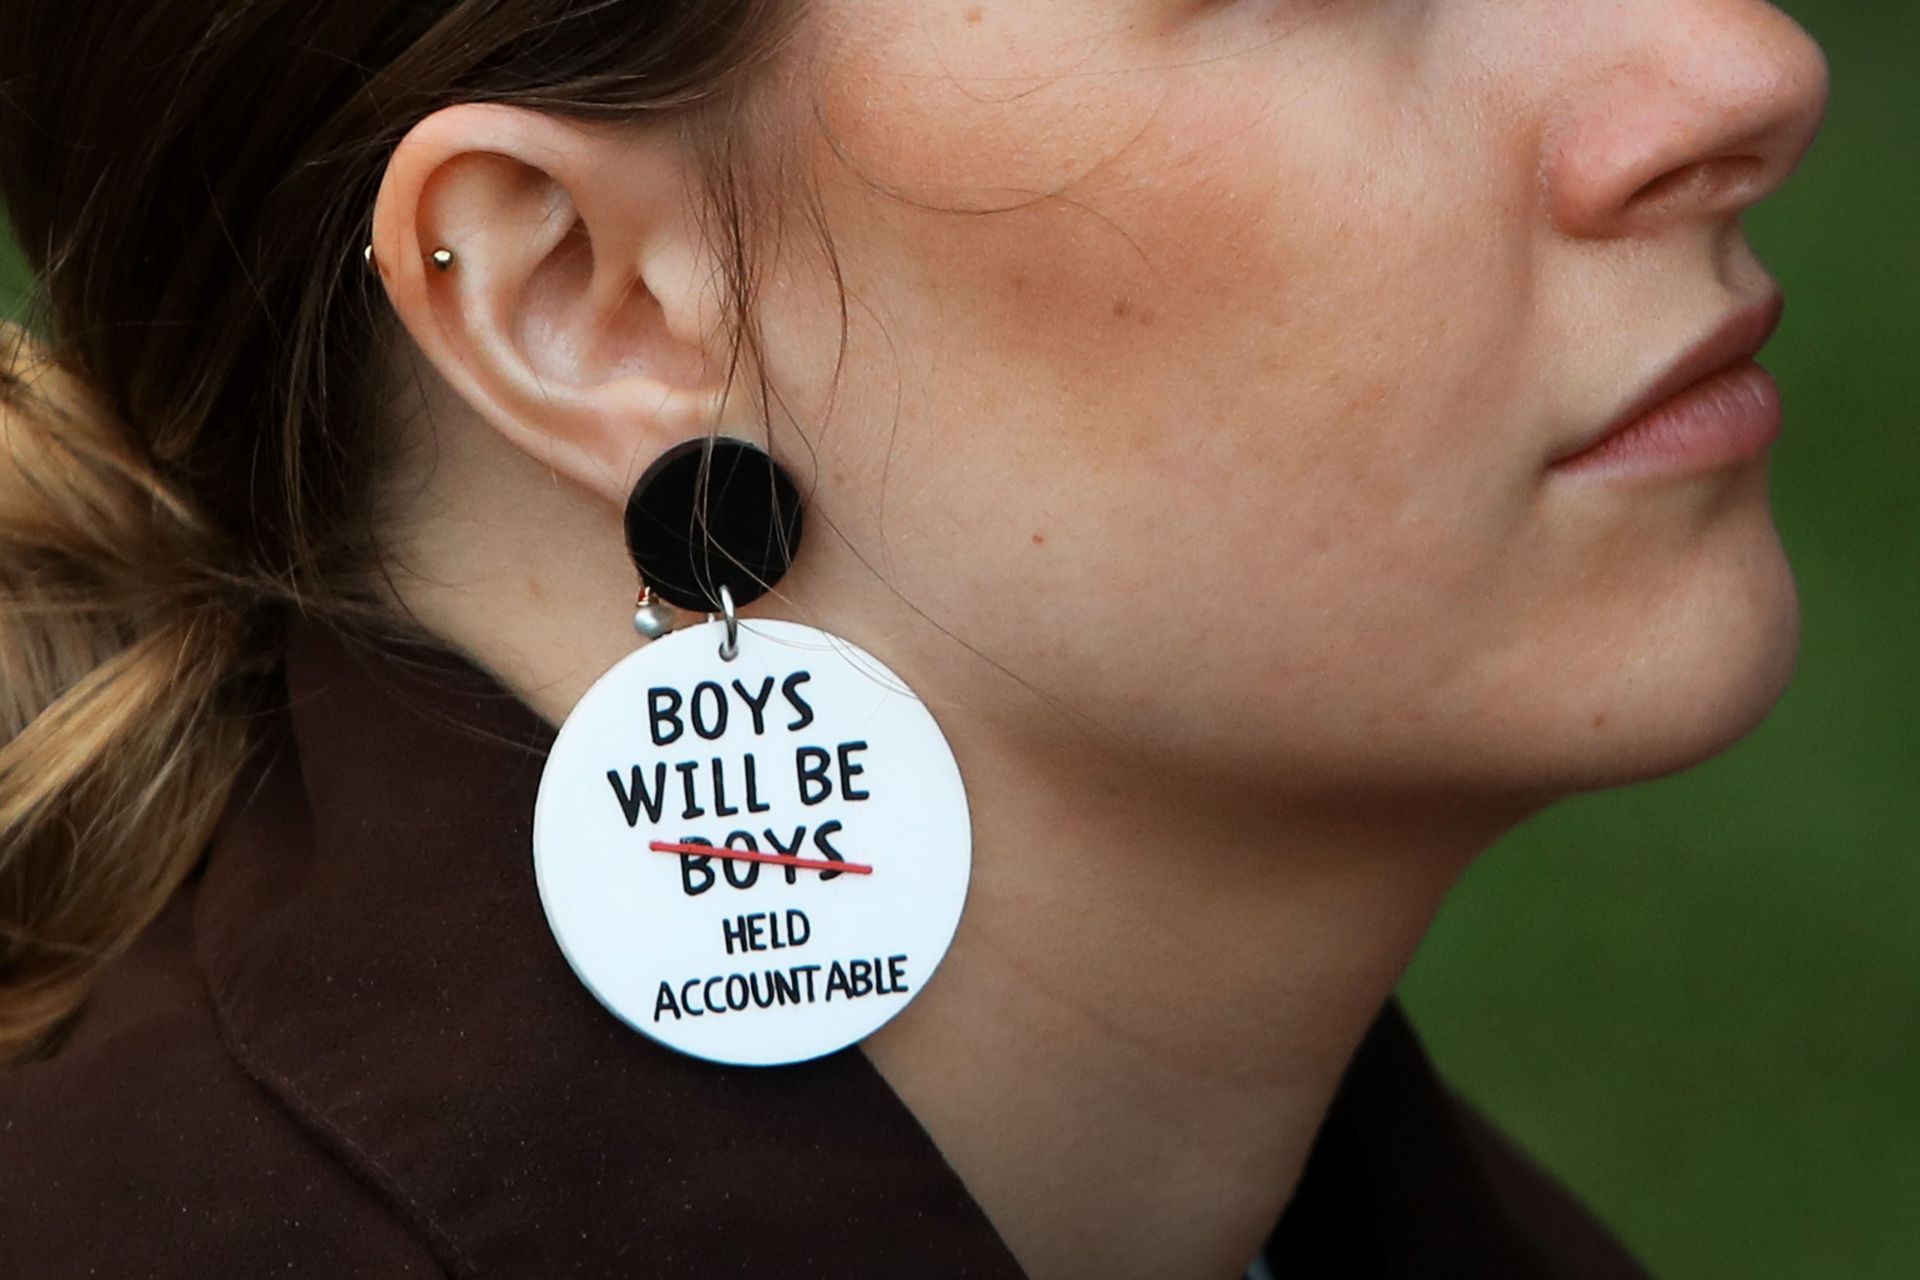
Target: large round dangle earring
<point x="751" y="839"/>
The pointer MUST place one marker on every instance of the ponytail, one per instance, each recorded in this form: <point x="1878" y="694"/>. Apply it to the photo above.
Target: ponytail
<point x="117" y="749"/>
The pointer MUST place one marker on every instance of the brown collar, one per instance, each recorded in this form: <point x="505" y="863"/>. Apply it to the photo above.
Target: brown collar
<point x="378" y="959"/>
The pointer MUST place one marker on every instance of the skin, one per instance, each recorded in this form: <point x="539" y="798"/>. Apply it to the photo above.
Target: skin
<point x="1188" y="457"/>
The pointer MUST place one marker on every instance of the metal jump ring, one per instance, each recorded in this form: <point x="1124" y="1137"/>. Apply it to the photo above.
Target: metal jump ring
<point x="730" y="647"/>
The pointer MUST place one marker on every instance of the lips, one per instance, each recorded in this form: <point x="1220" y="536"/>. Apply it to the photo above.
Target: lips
<point x="1738" y="339"/>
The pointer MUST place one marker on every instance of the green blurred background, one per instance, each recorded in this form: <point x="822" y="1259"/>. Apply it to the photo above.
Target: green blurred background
<point x="1698" y="1000"/>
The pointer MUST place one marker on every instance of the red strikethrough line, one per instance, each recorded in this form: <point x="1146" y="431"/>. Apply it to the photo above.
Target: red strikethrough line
<point x="752" y="855"/>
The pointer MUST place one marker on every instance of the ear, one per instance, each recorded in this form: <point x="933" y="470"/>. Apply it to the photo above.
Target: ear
<point x="580" y="315"/>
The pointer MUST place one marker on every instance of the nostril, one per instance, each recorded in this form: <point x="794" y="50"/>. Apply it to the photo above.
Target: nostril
<point x="1701" y="185"/>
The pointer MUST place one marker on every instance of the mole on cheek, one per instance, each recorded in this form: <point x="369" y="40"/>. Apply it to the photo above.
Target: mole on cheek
<point x="973" y="15"/>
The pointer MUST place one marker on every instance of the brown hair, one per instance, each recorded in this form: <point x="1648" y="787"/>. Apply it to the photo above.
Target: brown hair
<point x="185" y="456"/>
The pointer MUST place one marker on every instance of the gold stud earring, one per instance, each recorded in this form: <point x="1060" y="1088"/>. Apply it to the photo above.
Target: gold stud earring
<point x="442" y="258"/>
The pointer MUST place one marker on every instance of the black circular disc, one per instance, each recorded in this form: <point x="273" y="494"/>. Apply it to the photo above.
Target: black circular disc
<point x="740" y="527"/>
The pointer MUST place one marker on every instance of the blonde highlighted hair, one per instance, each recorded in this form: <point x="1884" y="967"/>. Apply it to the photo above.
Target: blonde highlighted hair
<point x="117" y="747"/>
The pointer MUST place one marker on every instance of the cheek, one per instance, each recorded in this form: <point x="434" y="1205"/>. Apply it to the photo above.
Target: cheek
<point x="1206" y="339"/>
<point x="1207" y="299"/>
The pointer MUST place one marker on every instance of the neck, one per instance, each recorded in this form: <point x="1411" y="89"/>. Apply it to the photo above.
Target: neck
<point x="1149" y="1003"/>
<point x="1152" y="995"/>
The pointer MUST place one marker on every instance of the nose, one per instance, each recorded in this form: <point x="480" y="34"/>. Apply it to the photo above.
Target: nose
<point x="1702" y="110"/>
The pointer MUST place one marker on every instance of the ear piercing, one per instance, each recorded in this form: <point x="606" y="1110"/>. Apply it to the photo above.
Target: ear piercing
<point x="441" y="257"/>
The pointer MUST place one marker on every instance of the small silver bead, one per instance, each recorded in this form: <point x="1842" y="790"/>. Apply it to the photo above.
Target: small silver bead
<point x="653" y="619"/>
<point x="443" y="258"/>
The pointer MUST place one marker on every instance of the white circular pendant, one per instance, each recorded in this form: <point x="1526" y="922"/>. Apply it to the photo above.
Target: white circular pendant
<point x="803" y="751"/>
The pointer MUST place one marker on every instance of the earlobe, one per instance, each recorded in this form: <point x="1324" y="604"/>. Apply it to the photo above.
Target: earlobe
<point x="577" y="315"/>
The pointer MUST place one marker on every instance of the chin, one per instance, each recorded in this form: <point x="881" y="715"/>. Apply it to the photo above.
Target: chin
<point x="1688" y="654"/>
<point x="1713" y="666"/>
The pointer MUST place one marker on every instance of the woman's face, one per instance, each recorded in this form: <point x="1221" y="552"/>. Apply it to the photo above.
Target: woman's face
<point x="1206" y="357"/>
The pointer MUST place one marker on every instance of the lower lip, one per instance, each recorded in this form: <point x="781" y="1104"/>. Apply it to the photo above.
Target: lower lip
<point x="1727" y="418"/>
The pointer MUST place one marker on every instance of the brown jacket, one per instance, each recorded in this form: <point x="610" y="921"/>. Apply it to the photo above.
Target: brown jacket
<point x="350" y="1048"/>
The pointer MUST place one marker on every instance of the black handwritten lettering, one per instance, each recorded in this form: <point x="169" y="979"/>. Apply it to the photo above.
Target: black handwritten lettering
<point x="708" y="727"/>
<point x="810" y="768"/>
<point x="631" y="801"/>
<point x="848" y="769"/>
<point x="757" y="707"/>
<point x="790" y="687"/>
<point x="686" y="770"/>
<point x="696" y="869"/>
<point x="667" y="714"/>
